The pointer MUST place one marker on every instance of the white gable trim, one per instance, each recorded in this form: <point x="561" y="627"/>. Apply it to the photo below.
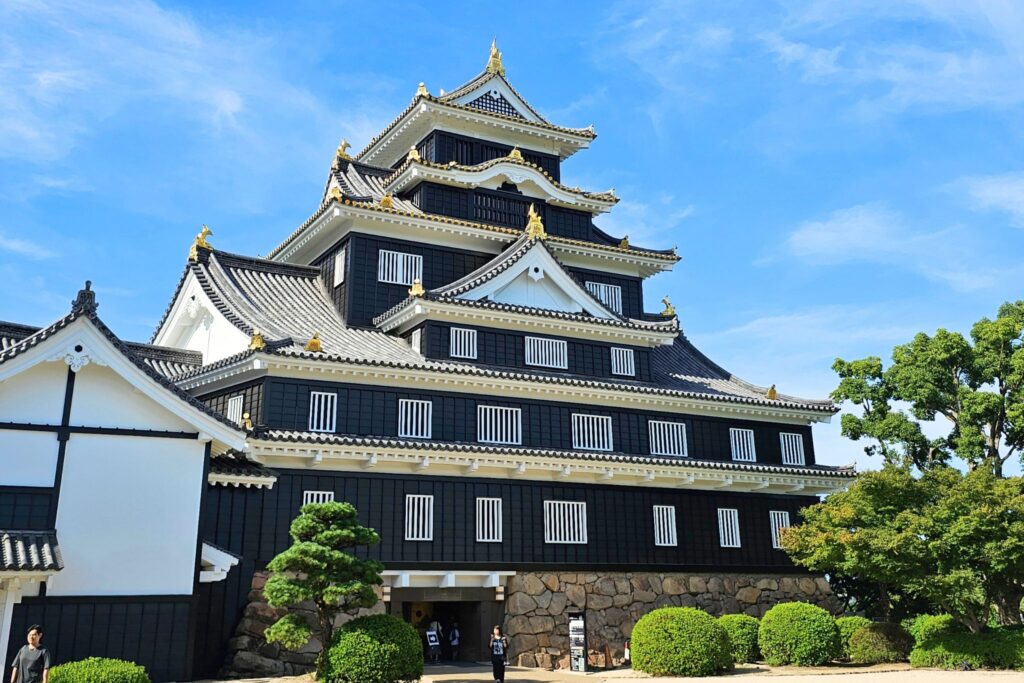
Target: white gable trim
<point x="215" y="564"/>
<point x="498" y="86"/>
<point x="542" y="271"/>
<point x="194" y="312"/>
<point x="96" y="348"/>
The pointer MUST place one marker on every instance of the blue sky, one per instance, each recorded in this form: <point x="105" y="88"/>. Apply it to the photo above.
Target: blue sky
<point x="837" y="176"/>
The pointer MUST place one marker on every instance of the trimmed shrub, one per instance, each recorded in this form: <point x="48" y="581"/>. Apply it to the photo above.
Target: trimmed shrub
<point x="742" y="630"/>
<point x="847" y="627"/>
<point x="376" y="649"/>
<point x="926" y="626"/>
<point x="880" y="644"/>
<point x="680" y="641"/>
<point x="798" y="633"/>
<point x="997" y="649"/>
<point x="99" y="670"/>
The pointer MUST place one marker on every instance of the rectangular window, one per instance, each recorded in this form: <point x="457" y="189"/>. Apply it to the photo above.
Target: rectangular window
<point x="591" y="432"/>
<point x="609" y="295"/>
<point x="667" y="438"/>
<point x="792" y="448"/>
<point x="742" y="442"/>
<point x="317" y="497"/>
<point x="623" y="362"/>
<point x="399" y="269"/>
<point x="339" y="266"/>
<point x="463" y="343"/>
<point x="548" y="353"/>
<point x="323" y="411"/>
<point x="495" y="424"/>
<point x="234" y="413"/>
<point x="416" y="340"/>
<point x="565" y="521"/>
<point x="488" y="520"/>
<point x="779" y="520"/>
<point x="419" y="518"/>
<point x="665" y="525"/>
<point x="729" y="527"/>
<point x="415" y="418"/>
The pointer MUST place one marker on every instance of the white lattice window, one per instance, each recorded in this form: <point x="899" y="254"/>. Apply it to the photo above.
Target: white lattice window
<point x="419" y="517"/>
<point x="729" y="527"/>
<point x="623" y="362"/>
<point x="665" y="525"/>
<point x="234" y="411"/>
<point x="667" y="438"/>
<point x="399" y="269"/>
<point x="415" y="418"/>
<point x="591" y="432"/>
<point x="488" y="520"/>
<point x="779" y="520"/>
<point x="609" y="295"/>
<point x="323" y="411"/>
<point x="792" y="448"/>
<point x="339" y="266"/>
<point x="317" y="497"/>
<point x="548" y="353"/>
<point x="495" y="424"/>
<point x="565" y="521"/>
<point x="742" y="442"/>
<point x="416" y="340"/>
<point x="463" y="343"/>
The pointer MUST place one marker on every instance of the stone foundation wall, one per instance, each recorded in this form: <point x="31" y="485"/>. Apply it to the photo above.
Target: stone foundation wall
<point x="537" y="606"/>
<point x="250" y="655"/>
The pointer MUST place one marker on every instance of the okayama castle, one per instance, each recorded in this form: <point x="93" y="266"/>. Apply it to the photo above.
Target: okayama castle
<point x="448" y="343"/>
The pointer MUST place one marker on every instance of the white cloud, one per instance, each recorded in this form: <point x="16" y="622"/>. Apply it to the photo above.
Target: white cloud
<point x="21" y="247"/>
<point x="647" y="224"/>
<point x="1003" y="193"/>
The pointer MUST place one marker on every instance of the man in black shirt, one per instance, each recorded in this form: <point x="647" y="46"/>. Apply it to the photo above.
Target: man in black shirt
<point x="32" y="663"/>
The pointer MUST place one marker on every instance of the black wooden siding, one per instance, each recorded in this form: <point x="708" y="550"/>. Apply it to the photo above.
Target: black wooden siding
<point x="25" y="507"/>
<point x="252" y="401"/>
<point x="325" y="262"/>
<point x="153" y="632"/>
<point x="440" y="147"/>
<point x="507" y="349"/>
<point x="367" y="297"/>
<point x="372" y="411"/>
<point x="632" y="288"/>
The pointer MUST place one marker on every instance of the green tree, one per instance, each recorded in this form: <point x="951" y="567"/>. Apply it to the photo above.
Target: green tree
<point x="976" y="385"/>
<point x="317" y="568"/>
<point x="953" y="540"/>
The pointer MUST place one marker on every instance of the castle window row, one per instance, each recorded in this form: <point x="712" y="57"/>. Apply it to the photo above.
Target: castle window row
<point x="504" y="425"/>
<point x="565" y="521"/>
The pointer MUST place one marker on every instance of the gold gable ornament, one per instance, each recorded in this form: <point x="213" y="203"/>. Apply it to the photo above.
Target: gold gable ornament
<point x="341" y="154"/>
<point x="257" y="343"/>
<point x="413" y="155"/>
<point x="199" y="243"/>
<point x="422" y="90"/>
<point x="335" y="194"/>
<point x="246" y="421"/>
<point x="314" y="345"/>
<point x="515" y="154"/>
<point x="535" y="226"/>
<point x="669" y="310"/>
<point x="494" y="65"/>
<point x="624" y="242"/>
<point x="417" y="288"/>
<point x="386" y="202"/>
<point x="771" y="394"/>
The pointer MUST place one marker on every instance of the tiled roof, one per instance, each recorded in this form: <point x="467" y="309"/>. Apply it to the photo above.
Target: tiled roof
<point x="235" y="464"/>
<point x="12" y="333"/>
<point x="29" y="551"/>
<point x="289" y="436"/>
<point x="479" y="80"/>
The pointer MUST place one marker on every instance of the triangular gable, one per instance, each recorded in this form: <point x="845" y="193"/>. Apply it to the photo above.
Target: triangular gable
<point x="528" y="275"/>
<point x="80" y="339"/>
<point x="494" y="94"/>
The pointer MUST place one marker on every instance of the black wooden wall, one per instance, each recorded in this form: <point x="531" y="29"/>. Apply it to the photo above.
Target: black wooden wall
<point x="632" y="288"/>
<point x="25" y="507"/>
<point x="325" y="262"/>
<point x="151" y="631"/>
<point x="252" y="399"/>
<point x="440" y="147"/>
<point x="507" y="349"/>
<point x="373" y="411"/>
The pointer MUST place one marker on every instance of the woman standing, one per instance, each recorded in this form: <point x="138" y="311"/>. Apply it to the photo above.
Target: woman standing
<point x="499" y="649"/>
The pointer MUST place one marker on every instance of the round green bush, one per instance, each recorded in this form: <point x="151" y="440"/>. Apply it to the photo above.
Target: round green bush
<point x="99" y="670"/>
<point x="880" y="644"/>
<point x="847" y="627"/>
<point x="927" y="626"/>
<point x="375" y="649"/>
<point x="798" y="633"/>
<point x="742" y="630"/>
<point x="997" y="649"/>
<point x="680" y="641"/>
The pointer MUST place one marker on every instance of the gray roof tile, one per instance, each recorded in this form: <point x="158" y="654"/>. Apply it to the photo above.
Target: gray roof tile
<point x="29" y="551"/>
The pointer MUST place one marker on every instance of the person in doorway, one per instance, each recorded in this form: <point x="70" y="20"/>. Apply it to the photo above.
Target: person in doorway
<point x="32" y="663"/>
<point x="499" y="650"/>
<point x="454" y="637"/>
<point x="433" y="643"/>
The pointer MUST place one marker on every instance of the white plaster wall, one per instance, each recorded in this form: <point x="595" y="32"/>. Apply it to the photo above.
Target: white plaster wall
<point x="128" y="516"/>
<point x="216" y="338"/>
<point x="103" y="398"/>
<point x="542" y="293"/>
<point x="197" y="325"/>
<point x="35" y="395"/>
<point x="27" y="458"/>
